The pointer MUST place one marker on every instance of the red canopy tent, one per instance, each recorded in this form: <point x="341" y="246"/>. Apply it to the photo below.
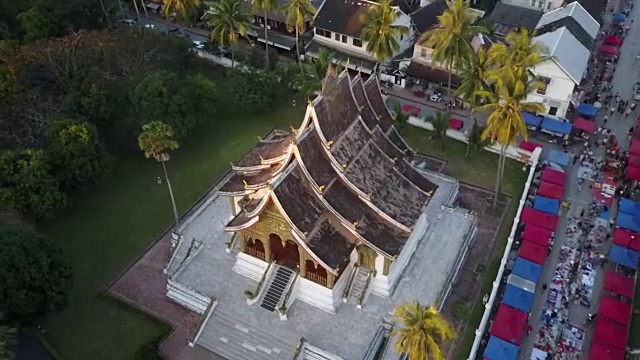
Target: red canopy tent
<point x="533" y="252"/>
<point x="529" y="146"/>
<point x="615" y="310"/>
<point x="633" y="173"/>
<point x="605" y="352"/>
<point x="627" y="239"/>
<point x="608" y="332"/>
<point x="410" y="109"/>
<point x="509" y="324"/>
<point x="619" y="284"/>
<point x="634" y="160"/>
<point x="539" y="218"/>
<point x="634" y="149"/>
<point x="536" y="234"/>
<point x="585" y="125"/>
<point x="612" y="40"/>
<point x="554" y="176"/>
<point x="608" y="49"/>
<point x="550" y="190"/>
<point x="456" y="124"/>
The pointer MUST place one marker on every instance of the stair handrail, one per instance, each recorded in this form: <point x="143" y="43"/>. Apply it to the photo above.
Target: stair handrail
<point x="347" y="289"/>
<point x="282" y="306"/>
<point x="366" y="286"/>
<point x="252" y="295"/>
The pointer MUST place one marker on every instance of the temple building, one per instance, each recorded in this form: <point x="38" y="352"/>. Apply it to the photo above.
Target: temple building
<point x="318" y="219"/>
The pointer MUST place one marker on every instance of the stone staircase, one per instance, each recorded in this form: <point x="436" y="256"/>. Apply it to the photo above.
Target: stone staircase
<point x="234" y="339"/>
<point x="276" y="287"/>
<point x="358" y="287"/>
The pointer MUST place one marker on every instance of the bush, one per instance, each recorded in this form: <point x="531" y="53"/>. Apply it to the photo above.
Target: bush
<point x="255" y="90"/>
<point x="460" y="310"/>
<point x="149" y="351"/>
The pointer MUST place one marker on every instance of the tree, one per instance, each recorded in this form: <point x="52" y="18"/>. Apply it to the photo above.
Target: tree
<point x="39" y="23"/>
<point x="421" y="331"/>
<point x="475" y="141"/>
<point x="155" y="141"/>
<point x="228" y="20"/>
<point x="401" y="118"/>
<point x="297" y="13"/>
<point x="7" y="341"/>
<point x="380" y="33"/>
<point x="34" y="277"/>
<point x="75" y="153"/>
<point x="27" y="184"/>
<point x="182" y="103"/>
<point x="255" y="90"/>
<point x="517" y="56"/>
<point x="185" y="9"/>
<point x="505" y="124"/>
<point x="265" y="6"/>
<point x="314" y="72"/>
<point x="440" y="124"/>
<point x="450" y="39"/>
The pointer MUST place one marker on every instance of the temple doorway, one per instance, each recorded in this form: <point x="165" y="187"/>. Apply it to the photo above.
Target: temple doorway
<point x="284" y="253"/>
<point x="367" y="257"/>
<point x="255" y="248"/>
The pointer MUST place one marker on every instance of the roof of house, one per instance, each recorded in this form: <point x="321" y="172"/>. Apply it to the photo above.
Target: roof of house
<point x="506" y="17"/>
<point x="345" y="16"/>
<point x="427" y="16"/>
<point x="569" y="53"/>
<point x="275" y="15"/>
<point x="421" y="71"/>
<point x="346" y="176"/>
<point x="577" y="13"/>
<point x="595" y="8"/>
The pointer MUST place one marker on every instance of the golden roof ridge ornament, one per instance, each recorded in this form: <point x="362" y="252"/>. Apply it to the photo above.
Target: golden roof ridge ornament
<point x="393" y="159"/>
<point x="329" y="143"/>
<point x="320" y="188"/>
<point x="259" y="138"/>
<point x="355" y="225"/>
<point x="369" y="196"/>
<point x="245" y="183"/>
<point x="294" y="131"/>
<point x="343" y="166"/>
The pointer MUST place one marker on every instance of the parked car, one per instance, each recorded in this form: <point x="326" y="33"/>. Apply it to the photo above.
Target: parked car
<point x="198" y="44"/>
<point x="173" y="29"/>
<point x="150" y="26"/>
<point x="129" y="22"/>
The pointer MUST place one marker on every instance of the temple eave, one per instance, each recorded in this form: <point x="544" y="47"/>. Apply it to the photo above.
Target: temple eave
<point x="241" y="222"/>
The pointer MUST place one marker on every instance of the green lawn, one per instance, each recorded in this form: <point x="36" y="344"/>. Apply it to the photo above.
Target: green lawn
<point x="105" y="229"/>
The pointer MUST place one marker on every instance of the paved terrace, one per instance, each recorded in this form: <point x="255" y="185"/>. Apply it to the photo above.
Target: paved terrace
<point x="236" y="330"/>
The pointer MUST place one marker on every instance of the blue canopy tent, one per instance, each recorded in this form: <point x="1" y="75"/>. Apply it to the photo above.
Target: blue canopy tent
<point x="518" y="298"/>
<point x="556" y="126"/>
<point x="624" y="256"/>
<point x="559" y="157"/>
<point x="527" y="270"/>
<point x="620" y="17"/>
<point x="628" y="221"/>
<point x="605" y="214"/>
<point x="531" y="119"/>
<point x="629" y="206"/>
<point x="545" y="204"/>
<point x="587" y="110"/>
<point x="498" y="349"/>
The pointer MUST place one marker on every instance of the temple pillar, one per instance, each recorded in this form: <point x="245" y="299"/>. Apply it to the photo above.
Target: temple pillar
<point x="386" y="266"/>
<point x="267" y="250"/>
<point x="331" y="279"/>
<point x="243" y="242"/>
<point x="232" y="203"/>
<point x="303" y="262"/>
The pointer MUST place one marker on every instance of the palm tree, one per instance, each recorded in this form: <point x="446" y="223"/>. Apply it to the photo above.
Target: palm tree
<point x="421" y="332"/>
<point x="184" y="9"/>
<point x="505" y="103"/>
<point x="314" y="72"/>
<point x="450" y="40"/>
<point x="475" y="140"/>
<point x="156" y="140"/>
<point x="297" y="14"/>
<point x="265" y="6"/>
<point x="401" y="118"/>
<point x="440" y="122"/>
<point x="229" y="20"/>
<point x="473" y="74"/>
<point x="519" y="54"/>
<point x="380" y="33"/>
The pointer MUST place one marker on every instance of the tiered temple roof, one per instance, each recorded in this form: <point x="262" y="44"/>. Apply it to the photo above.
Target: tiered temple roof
<point x="342" y="179"/>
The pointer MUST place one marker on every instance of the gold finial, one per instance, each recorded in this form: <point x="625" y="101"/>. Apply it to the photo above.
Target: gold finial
<point x="261" y="158"/>
<point x="430" y="192"/>
<point x="329" y="143"/>
<point x="343" y="166"/>
<point x="294" y="131"/>
<point x="346" y="64"/>
<point x="305" y="234"/>
<point x="321" y="188"/>
<point x="270" y="186"/>
<point x="231" y="163"/>
<point x="355" y="224"/>
<point x="245" y="184"/>
<point x="393" y="160"/>
<point x="369" y="196"/>
<point x="259" y="138"/>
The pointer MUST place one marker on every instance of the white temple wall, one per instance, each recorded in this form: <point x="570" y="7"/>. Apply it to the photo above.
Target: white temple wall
<point x="250" y="266"/>
<point x="317" y="295"/>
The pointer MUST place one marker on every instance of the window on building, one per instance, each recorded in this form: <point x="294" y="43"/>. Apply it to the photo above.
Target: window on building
<point x="336" y="36"/>
<point x="423" y="52"/>
<point x="541" y="4"/>
<point x="344" y="39"/>
<point x="532" y="3"/>
<point x="401" y="37"/>
<point x="357" y="42"/>
<point x="323" y="32"/>
<point x="553" y="110"/>
<point x="544" y="82"/>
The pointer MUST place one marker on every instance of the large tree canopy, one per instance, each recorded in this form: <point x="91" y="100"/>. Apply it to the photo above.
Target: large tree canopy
<point x="34" y="277"/>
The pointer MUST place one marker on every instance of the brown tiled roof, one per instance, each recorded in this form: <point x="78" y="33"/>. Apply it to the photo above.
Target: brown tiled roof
<point x="381" y="235"/>
<point x="372" y="89"/>
<point x="266" y="150"/>
<point x="368" y="115"/>
<point x="368" y="169"/>
<point x="329" y="244"/>
<point x="415" y="177"/>
<point x="386" y="145"/>
<point x="397" y="140"/>
<point x="337" y="109"/>
<point x="316" y="163"/>
<point x="294" y="197"/>
<point x="240" y="221"/>
<point x="349" y="145"/>
<point x="255" y="180"/>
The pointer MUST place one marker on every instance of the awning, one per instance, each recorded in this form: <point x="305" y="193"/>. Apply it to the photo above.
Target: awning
<point x="556" y="126"/>
<point x="531" y="119"/>
<point x="545" y="204"/>
<point x="609" y="50"/>
<point x="629" y="222"/>
<point x="538" y="218"/>
<point x="498" y="349"/>
<point x="585" y="125"/>
<point x="610" y="333"/>
<point x="529" y="146"/>
<point x="633" y="173"/>
<point x="152" y="6"/>
<point x="626" y="239"/>
<point x="456" y="124"/>
<point x="343" y="57"/>
<point x="536" y="234"/>
<point x="559" y="157"/>
<point x="410" y="109"/>
<point x="634" y="160"/>
<point x="277" y="39"/>
<point x="634" y="149"/>
<point x="612" y="40"/>
<point x="533" y="252"/>
<point x="587" y="110"/>
<point x="623" y="256"/>
<point x="517" y="298"/>
<point x="629" y="206"/>
<point x="527" y="270"/>
<point x="619" y="284"/>
<point x="605" y="352"/>
<point x="615" y="310"/>
<point x="550" y="190"/>
<point x="521" y="283"/>
<point x="509" y="324"/>
<point x="620" y="17"/>
<point x="554" y="176"/>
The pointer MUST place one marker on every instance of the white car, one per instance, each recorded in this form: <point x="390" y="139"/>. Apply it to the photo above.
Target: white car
<point x="129" y="22"/>
<point x="198" y="44"/>
<point x="437" y="97"/>
<point x="150" y="26"/>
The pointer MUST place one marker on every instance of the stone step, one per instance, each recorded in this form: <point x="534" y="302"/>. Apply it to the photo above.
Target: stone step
<point x="256" y="332"/>
<point x="358" y="287"/>
<point x="276" y="287"/>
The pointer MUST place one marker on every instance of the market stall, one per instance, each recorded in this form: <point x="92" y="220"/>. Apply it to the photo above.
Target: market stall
<point x="608" y="50"/>
<point x="612" y="40"/>
<point x="539" y="218"/>
<point x="509" y="324"/>
<point x="531" y="120"/>
<point x="537" y="354"/>
<point x="601" y="351"/>
<point x="629" y="222"/>
<point x="550" y="190"/>
<point x="498" y="349"/>
<point x="527" y="270"/>
<point x="633" y="173"/>
<point x="554" y="176"/>
<point x="614" y="310"/>
<point x="529" y="146"/>
<point x="558" y="157"/>
<point x="623" y="256"/>
<point x="629" y="206"/>
<point x="533" y="252"/>
<point x="410" y="109"/>
<point x="609" y="333"/>
<point x="585" y="125"/>
<point x="555" y="127"/>
<point x="547" y="205"/>
<point x="518" y="298"/>
<point x="587" y="110"/>
<point x="627" y="239"/>
<point x="619" y="284"/>
<point x="456" y="124"/>
<point x="634" y="149"/>
<point x="536" y="234"/>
